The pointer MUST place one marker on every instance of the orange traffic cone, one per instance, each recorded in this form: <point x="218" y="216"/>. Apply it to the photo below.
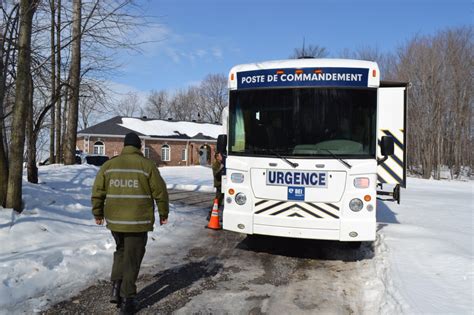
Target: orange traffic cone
<point x="214" y="221"/>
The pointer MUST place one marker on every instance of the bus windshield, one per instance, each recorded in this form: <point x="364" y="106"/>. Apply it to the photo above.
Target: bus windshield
<point x="303" y="122"/>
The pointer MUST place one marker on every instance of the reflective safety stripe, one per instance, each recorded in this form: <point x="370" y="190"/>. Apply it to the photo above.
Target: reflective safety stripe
<point x="126" y="170"/>
<point x="129" y="196"/>
<point x="297" y="209"/>
<point x="128" y="222"/>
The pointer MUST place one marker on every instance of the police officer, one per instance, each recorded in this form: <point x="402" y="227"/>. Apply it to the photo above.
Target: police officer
<point x="123" y="194"/>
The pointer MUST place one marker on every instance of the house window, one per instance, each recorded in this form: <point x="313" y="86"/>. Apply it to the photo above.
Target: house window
<point x="146" y="152"/>
<point x="165" y="153"/>
<point x="99" y="148"/>
<point x="184" y="155"/>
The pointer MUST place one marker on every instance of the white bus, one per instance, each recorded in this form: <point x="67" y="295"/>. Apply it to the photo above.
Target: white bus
<point x="308" y="143"/>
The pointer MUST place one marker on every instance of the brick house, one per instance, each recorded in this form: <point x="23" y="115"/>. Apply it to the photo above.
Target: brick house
<point x="167" y="142"/>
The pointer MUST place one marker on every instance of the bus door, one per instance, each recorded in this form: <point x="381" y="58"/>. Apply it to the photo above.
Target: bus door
<point x="391" y="121"/>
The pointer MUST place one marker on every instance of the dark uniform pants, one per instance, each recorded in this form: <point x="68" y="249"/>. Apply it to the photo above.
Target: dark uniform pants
<point x="128" y="257"/>
<point x="219" y="196"/>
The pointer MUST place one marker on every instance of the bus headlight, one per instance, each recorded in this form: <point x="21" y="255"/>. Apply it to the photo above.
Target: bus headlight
<point x="240" y="199"/>
<point x="356" y="204"/>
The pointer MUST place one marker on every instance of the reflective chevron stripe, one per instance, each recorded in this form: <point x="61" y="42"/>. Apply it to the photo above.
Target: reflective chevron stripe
<point x="298" y="209"/>
<point x="332" y="206"/>
<point x="392" y="171"/>
<point x="397" y="160"/>
<point x="321" y="209"/>
<point x="269" y="207"/>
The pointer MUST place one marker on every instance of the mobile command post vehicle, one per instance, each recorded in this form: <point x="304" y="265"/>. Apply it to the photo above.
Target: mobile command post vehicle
<point x="308" y="143"/>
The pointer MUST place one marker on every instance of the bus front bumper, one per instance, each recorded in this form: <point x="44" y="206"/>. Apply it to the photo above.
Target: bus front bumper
<point x="346" y="230"/>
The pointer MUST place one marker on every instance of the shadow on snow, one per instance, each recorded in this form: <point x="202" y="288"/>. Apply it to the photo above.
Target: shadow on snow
<point x="174" y="279"/>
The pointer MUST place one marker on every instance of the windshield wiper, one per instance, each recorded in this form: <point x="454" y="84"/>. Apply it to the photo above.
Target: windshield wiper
<point x="338" y="158"/>
<point x="293" y="164"/>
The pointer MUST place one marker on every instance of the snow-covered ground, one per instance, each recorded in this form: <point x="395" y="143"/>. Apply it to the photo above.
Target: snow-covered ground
<point x="424" y="253"/>
<point x="429" y="240"/>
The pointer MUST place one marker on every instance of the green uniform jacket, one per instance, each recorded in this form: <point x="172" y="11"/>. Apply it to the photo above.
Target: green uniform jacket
<point x="217" y="168"/>
<point x="124" y="192"/>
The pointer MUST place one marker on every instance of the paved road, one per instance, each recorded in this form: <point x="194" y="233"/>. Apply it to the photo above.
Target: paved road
<point x="221" y="272"/>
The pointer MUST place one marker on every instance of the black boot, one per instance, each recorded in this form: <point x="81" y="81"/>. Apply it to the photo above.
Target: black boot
<point x="128" y="306"/>
<point x="115" y="295"/>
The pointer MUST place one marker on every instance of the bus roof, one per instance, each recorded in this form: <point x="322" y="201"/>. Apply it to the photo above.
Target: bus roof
<point x="373" y="80"/>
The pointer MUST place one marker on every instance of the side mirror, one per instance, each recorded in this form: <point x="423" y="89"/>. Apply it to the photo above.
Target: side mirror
<point x="222" y="144"/>
<point x="387" y="146"/>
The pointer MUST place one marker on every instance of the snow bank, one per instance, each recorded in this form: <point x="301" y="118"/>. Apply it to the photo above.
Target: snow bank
<point x="191" y="178"/>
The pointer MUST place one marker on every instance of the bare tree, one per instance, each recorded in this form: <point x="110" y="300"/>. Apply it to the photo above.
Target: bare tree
<point x="22" y="104"/>
<point x="311" y="51"/>
<point x="57" y="120"/>
<point x="75" y="77"/>
<point x="8" y="42"/>
<point x="129" y="105"/>
<point x="93" y="102"/>
<point x="440" y="69"/>
<point x="213" y="93"/>
<point x="157" y="105"/>
<point x="387" y="62"/>
<point x="52" y="6"/>
<point x="184" y="104"/>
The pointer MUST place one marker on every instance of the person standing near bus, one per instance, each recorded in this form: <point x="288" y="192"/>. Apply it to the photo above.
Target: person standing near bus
<point x="217" y="170"/>
<point x="123" y="194"/>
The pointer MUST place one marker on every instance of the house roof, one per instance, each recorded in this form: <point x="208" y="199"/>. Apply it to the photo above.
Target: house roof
<point x="155" y="128"/>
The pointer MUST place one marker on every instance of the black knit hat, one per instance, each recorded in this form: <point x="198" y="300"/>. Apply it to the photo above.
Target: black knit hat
<point x="133" y="140"/>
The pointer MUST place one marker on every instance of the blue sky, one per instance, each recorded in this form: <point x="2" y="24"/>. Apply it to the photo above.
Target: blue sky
<point x="199" y="37"/>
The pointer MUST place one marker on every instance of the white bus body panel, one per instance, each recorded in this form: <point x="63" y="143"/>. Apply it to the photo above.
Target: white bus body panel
<point x="373" y="80"/>
<point x="324" y="213"/>
<point x="391" y="122"/>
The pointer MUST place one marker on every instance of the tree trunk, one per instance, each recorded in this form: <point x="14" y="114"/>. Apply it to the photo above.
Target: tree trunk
<point x="75" y="76"/>
<point x="64" y="126"/>
<point x="32" y="169"/>
<point x="58" y="85"/>
<point x="22" y="101"/>
<point x="52" y="158"/>
<point x="6" y="51"/>
<point x="3" y="156"/>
